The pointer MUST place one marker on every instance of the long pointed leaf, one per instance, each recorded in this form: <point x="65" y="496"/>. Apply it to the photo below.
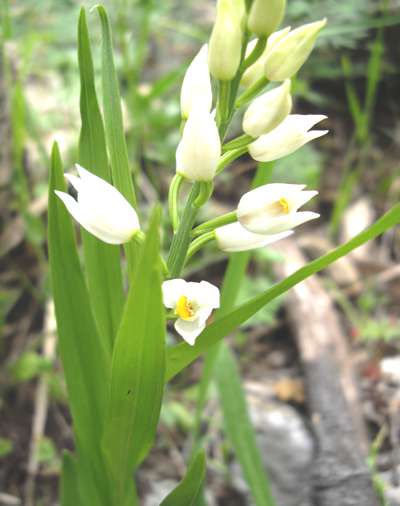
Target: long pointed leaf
<point x="69" y="491"/>
<point x="102" y="261"/>
<point x="138" y="369"/>
<point x="181" y="355"/>
<point x="84" y="359"/>
<point x="186" y="492"/>
<point x="120" y="170"/>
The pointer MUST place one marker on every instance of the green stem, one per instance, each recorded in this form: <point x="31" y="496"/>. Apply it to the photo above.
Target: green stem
<point x="238" y="142"/>
<point x="173" y="195"/>
<point x="219" y="221"/>
<point x="181" y="239"/>
<point x="223" y="112"/>
<point x="255" y="54"/>
<point x="229" y="157"/>
<point x="198" y="243"/>
<point x="251" y="92"/>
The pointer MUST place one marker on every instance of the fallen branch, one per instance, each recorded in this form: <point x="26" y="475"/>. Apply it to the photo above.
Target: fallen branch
<point x="340" y="473"/>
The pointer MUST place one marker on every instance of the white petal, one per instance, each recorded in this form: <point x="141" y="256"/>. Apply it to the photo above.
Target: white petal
<point x="75" y="181"/>
<point x="262" y="225"/>
<point x="208" y="295"/>
<point x="298" y="199"/>
<point x="189" y="330"/>
<point x="234" y="237"/>
<point x="199" y="149"/>
<point x="266" y="194"/>
<point x="172" y="289"/>
<point x="196" y="86"/>
<point x="72" y="206"/>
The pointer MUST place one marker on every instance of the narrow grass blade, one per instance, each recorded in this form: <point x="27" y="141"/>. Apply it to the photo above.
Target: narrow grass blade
<point x="186" y="492"/>
<point x="85" y="363"/>
<point x="181" y="355"/>
<point x="69" y="492"/>
<point x="102" y="261"/>
<point x="120" y="170"/>
<point x="121" y="173"/>
<point x="239" y="429"/>
<point x="138" y="369"/>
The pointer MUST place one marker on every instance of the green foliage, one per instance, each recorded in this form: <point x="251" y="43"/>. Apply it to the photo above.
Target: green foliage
<point x="102" y="261"/>
<point x="137" y="371"/>
<point x="186" y="493"/>
<point x="6" y="447"/>
<point x="29" y="365"/>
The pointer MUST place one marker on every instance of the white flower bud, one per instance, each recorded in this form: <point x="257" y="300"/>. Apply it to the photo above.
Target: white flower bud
<point x="265" y="16"/>
<point x="196" y="86"/>
<point x="225" y="45"/>
<point x="192" y="303"/>
<point x="268" y="110"/>
<point x="199" y="150"/>
<point x="287" y="137"/>
<point x="285" y="57"/>
<point x="100" y="208"/>
<point x="256" y="71"/>
<point x="273" y="208"/>
<point x="233" y="237"/>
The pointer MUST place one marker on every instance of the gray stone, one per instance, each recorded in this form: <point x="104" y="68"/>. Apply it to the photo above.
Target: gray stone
<point x="286" y="446"/>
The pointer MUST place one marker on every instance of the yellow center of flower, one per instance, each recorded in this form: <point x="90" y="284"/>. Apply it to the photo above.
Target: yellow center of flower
<point x="184" y="308"/>
<point x="284" y="205"/>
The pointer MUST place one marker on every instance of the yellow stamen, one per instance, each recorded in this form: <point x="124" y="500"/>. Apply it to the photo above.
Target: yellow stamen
<point x="284" y="205"/>
<point x="184" y="308"/>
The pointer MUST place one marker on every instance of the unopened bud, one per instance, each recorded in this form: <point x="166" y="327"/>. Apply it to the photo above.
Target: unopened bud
<point x="268" y="110"/>
<point x="256" y="71"/>
<point x="286" y="56"/>
<point x="226" y="42"/>
<point x="265" y="16"/>
<point x="196" y="86"/>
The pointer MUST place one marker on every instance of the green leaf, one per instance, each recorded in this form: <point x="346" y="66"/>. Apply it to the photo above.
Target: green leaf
<point x="238" y="427"/>
<point x="181" y="355"/>
<point x="113" y="115"/>
<point x="121" y="173"/>
<point x="188" y="489"/>
<point x="84" y="359"/>
<point x="138" y="368"/>
<point x="69" y="492"/>
<point x="102" y="261"/>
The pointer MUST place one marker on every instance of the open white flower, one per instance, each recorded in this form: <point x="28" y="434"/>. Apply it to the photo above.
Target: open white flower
<point x="273" y="208"/>
<point x="196" y="86"/>
<point x="287" y="137"/>
<point x="268" y="110"/>
<point x="233" y="237"/>
<point x="192" y="303"/>
<point x="100" y="208"/>
<point x="199" y="149"/>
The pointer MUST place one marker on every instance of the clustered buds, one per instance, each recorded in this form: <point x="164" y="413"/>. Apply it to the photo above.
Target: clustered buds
<point x="263" y="215"/>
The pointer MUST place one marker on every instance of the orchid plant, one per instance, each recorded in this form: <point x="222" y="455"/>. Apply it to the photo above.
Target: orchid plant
<point x="113" y="310"/>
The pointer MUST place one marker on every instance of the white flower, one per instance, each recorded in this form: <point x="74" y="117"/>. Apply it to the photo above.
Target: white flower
<point x="287" y="137"/>
<point x="273" y="208"/>
<point x="285" y="56"/>
<point x="233" y="237"/>
<point x="100" y="208"/>
<point x="268" y="110"/>
<point x="196" y="86"/>
<point x="199" y="149"/>
<point x="192" y="303"/>
<point x="256" y="71"/>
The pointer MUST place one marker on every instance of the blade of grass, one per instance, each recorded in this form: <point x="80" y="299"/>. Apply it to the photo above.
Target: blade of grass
<point x="138" y="369"/>
<point x="102" y="261"/>
<point x="186" y="492"/>
<point x="120" y="170"/>
<point x="181" y="355"/>
<point x="84" y="359"/>
<point x="69" y="492"/>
